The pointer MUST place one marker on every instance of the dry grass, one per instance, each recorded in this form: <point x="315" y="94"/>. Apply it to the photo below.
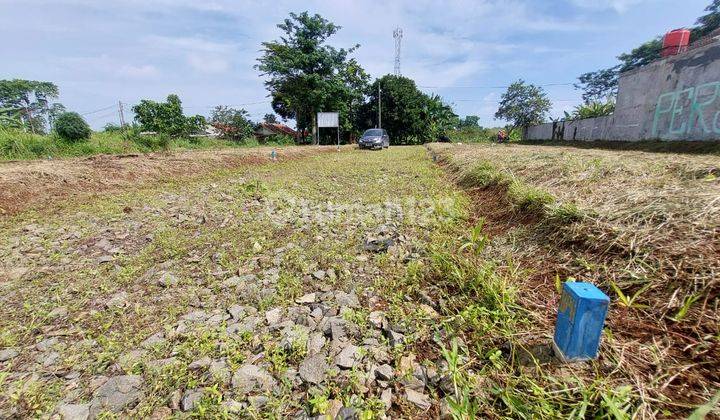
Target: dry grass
<point x="643" y="226"/>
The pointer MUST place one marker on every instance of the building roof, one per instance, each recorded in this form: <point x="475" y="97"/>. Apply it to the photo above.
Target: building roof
<point x="278" y="128"/>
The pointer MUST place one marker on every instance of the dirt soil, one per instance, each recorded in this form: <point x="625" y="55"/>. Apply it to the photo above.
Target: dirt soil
<point x="39" y="183"/>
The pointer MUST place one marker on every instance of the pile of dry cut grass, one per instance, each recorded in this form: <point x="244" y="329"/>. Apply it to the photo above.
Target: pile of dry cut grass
<point x="643" y="226"/>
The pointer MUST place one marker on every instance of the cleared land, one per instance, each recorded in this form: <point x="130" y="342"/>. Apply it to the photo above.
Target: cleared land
<point x="374" y="283"/>
<point x="40" y="183"/>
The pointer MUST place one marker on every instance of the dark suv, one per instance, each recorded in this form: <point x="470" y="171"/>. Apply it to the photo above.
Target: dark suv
<point x="374" y="138"/>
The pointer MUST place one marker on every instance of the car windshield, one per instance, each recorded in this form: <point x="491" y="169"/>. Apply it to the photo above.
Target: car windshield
<point x="373" y="133"/>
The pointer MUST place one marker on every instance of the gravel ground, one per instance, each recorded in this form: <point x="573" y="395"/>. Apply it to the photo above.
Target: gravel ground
<point x="283" y="289"/>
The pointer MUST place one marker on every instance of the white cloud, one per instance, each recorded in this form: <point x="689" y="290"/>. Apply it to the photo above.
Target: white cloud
<point x="208" y="64"/>
<point x="620" y="6"/>
<point x="141" y="71"/>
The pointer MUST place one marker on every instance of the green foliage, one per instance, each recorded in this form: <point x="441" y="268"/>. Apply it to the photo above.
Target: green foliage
<point x="112" y="128"/>
<point x="646" y="53"/>
<point x="630" y="301"/>
<point x="528" y="198"/>
<point x="591" y="110"/>
<point x="708" y="22"/>
<point x="10" y="118"/>
<point x="477" y="240"/>
<point x="28" y="100"/>
<point x="523" y="105"/>
<point x="71" y="127"/>
<point x="599" y="84"/>
<point x="409" y="115"/>
<point x="470" y="122"/>
<point x="167" y="117"/>
<point x="270" y="118"/>
<point x="16" y="144"/>
<point x="473" y="135"/>
<point x="306" y="75"/>
<point x="232" y="123"/>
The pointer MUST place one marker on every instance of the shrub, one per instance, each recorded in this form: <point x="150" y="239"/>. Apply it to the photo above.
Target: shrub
<point x="70" y="126"/>
<point x="112" y="128"/>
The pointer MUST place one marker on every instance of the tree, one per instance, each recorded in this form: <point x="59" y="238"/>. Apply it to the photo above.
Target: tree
<point x="29" y="99"/>
<point x="167" y="117"/>
<point x="599" y="84"/>
<point x="304" y="72"/>
<point x="523" y="105"/>
<point x="357" y="83"/>
<point x="270" y="118"/>
<point x="646" y="53"/>
<point x="439" y="117"/>
<point x="470" y="122"/>
<point x="408" y="115"/>
<point x="70" y="126"/>
<point x="54" y="111"/>
<point x="709" y="22"/>
<point x="233" y="123"/>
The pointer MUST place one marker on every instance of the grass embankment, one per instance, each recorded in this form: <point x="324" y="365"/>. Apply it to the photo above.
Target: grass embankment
<point x="642" y="226"/>
<point x="19" y="145"/>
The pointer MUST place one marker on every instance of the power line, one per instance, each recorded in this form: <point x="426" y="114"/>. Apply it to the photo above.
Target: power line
<point x="498" y="100"/>
<point x="98" y="110"/>
<point x="230" y="106"/>
<point x="490" y="87"/>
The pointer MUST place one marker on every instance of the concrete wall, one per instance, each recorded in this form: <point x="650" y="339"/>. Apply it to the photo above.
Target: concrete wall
<point x="677" y="98"/>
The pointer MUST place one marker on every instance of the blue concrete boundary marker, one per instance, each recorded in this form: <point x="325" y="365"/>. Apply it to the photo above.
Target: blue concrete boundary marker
<point x="580" y="321"/>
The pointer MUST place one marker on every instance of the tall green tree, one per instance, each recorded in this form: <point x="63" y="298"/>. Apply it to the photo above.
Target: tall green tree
<point x="357" y="83"/>
<point x="30" y="99"/>
<point x="409" y="115"/>
<point x="305" y="74"/>
<point x="523" y="105"/>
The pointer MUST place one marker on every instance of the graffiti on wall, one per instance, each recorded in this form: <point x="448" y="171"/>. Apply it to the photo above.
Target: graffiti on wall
<point x="690" y="110"/>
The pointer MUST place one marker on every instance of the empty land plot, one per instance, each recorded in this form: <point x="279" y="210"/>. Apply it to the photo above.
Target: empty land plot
<point x="352" y="283"/>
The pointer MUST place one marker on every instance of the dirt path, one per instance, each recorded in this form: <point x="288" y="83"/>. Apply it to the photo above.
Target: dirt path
<point x="282" y="289"/>
<point x="35" y="184"/>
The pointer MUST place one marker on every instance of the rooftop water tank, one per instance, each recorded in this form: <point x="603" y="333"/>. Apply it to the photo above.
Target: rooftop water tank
<point x="675" y="42"/>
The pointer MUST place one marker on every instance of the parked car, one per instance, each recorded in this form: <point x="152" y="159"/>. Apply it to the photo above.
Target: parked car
<point x="374" y="138"/>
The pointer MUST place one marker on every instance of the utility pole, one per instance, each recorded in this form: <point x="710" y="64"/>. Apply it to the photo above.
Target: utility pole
<point x="379" y="106"/>
<point x="122" y="116"/>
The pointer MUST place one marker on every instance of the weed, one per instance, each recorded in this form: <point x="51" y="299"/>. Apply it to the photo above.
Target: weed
<point x="477" y="240"/>
<point x="627" y="300"/>
<point x="686" y="305"/>
<point x="528" y="198"/>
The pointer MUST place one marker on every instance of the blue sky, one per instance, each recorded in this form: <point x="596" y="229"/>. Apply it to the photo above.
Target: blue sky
<point x="101" y="51"/>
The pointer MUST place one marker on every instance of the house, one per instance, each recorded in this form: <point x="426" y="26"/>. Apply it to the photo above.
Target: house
<point x="265" y="130"/>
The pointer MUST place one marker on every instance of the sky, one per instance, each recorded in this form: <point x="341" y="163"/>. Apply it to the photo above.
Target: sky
<point x="100" y="52"/>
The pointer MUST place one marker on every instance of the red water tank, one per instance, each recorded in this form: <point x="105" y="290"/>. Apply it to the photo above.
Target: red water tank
<point x="675" y="42"/>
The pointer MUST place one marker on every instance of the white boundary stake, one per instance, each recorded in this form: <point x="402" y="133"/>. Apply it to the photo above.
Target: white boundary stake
<point x="329" y="120"/>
